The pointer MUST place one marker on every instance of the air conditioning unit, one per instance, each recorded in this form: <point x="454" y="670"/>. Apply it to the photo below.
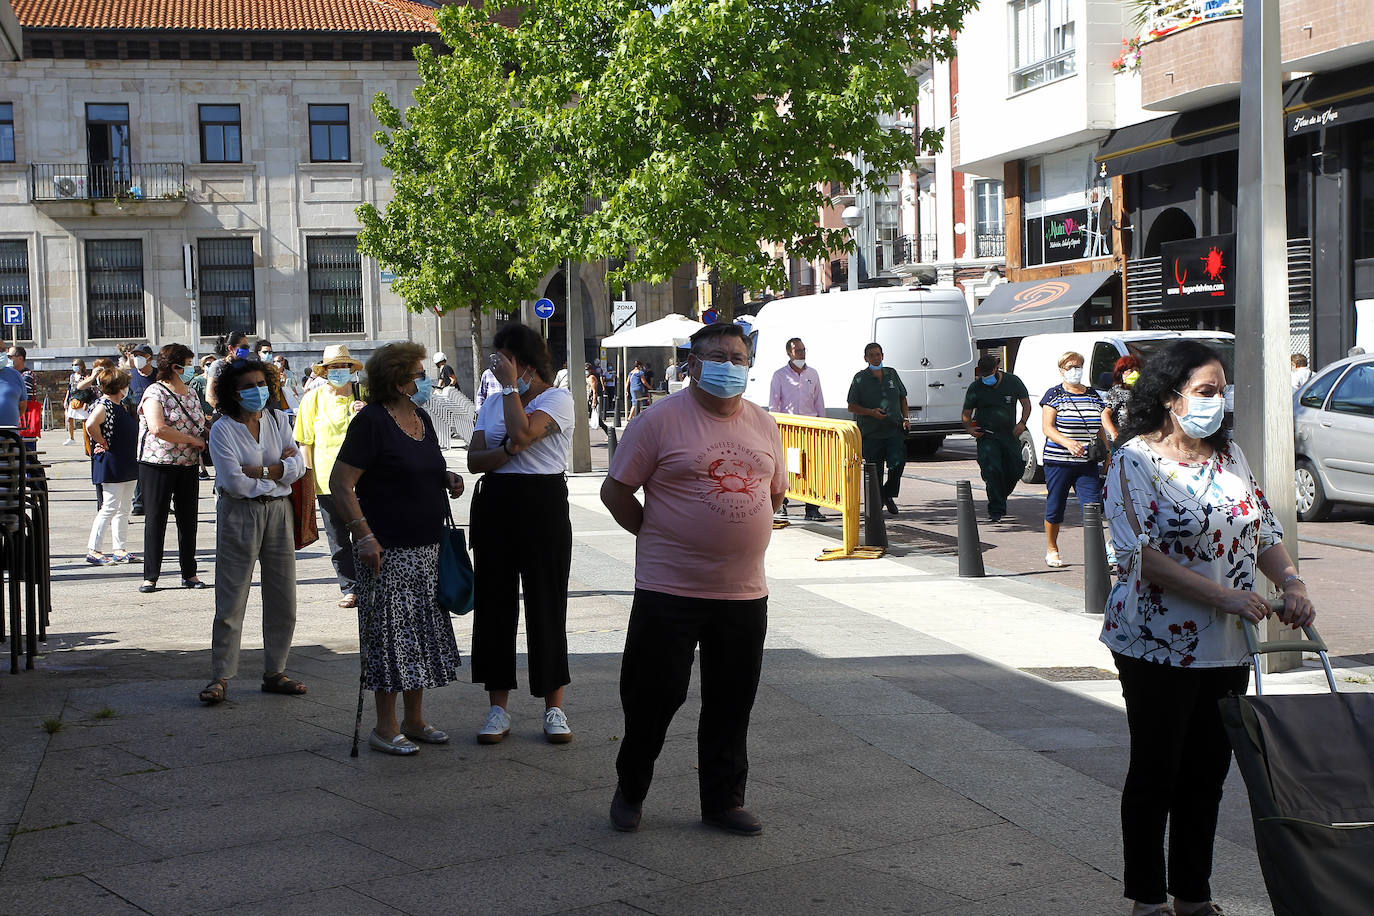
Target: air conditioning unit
<point x="68" y="187"/>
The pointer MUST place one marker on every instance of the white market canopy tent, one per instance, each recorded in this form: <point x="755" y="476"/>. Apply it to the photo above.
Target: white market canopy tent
<point x="669" y="331"/>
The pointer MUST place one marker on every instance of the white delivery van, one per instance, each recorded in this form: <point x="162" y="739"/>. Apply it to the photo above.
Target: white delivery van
<point x="926" y="335"/>
<point x="1037" y="365"/>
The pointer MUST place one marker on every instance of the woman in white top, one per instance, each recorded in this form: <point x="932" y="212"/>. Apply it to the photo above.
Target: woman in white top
<point x="1192" y="533"/>
<point x="256" y="461"/>
<point x="521" y="443"/>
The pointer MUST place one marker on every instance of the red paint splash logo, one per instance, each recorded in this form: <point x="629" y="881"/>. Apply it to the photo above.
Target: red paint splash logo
<point x="1212" y="263"/>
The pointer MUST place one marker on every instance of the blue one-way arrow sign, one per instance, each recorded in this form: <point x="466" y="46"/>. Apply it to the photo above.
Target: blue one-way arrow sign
<point x="544" y="309"/>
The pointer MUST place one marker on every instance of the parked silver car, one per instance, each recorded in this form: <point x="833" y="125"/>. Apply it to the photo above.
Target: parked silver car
<point x="1333" y="429"/>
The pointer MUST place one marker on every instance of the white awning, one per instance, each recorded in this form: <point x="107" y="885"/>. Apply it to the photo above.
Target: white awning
<point x="665" y="332"/>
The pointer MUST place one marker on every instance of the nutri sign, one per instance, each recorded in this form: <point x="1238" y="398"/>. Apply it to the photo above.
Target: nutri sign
<point x="1198" y="273"/>
<point x="1068" y="236"/>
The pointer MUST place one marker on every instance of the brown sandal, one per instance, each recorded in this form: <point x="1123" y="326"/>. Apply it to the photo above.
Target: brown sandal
<point x="217" y="691"/>
<point x="280" y="683"/>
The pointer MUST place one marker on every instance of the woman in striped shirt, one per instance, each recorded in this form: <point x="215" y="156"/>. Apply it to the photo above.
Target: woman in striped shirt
<point x="1072" y="421"/>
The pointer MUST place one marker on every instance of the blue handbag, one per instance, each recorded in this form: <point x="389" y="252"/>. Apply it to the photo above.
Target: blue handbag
<point x="455" y="570"/>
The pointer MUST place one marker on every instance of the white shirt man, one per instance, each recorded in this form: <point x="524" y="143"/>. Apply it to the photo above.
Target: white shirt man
<point x="796" y="389"/>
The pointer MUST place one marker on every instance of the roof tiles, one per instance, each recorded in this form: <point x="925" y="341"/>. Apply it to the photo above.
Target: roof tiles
<point x="229" y="15"/>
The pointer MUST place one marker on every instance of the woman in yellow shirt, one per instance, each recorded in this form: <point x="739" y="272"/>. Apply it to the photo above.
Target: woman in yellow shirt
<point x="322" y="419"/>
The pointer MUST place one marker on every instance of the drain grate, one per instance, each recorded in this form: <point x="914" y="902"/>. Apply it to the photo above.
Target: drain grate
<point x="1072" y="673"/>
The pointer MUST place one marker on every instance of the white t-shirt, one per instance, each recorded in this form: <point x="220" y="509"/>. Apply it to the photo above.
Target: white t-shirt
<point x="548" y="455"/>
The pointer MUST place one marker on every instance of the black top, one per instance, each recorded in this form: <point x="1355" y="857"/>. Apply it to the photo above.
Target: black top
<point x="117" y="463"/>
<point x="402" y="490"/>
<point x="447" y="376"/>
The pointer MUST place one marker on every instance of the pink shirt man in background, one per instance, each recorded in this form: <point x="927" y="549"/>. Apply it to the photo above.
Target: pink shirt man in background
<point x="796" y="389"/>
<point x="712" y="469"/>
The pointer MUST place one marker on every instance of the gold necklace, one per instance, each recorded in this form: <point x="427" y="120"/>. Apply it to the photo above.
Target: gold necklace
<point x="404" y="427"/>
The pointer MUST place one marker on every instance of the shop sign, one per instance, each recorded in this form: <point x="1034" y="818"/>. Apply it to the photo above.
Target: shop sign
<point x="1068" y="236"/>
<point x="1199" y="273"/>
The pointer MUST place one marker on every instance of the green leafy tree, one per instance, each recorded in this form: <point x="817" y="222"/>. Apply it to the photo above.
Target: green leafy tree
<point x="459" y="231"/>
<point x="703" y="127"/>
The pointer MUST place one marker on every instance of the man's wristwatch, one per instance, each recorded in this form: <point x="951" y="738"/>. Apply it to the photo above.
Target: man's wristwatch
<point x="1293" y="578"/>
<point x="264" y="472"/>
<point x="510" y="390"/>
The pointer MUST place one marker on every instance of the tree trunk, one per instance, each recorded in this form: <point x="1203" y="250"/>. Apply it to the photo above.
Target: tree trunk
<point x="475" y="333"/>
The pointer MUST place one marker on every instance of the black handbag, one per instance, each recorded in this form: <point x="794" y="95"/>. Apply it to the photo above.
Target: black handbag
<point x="456" y="576"/>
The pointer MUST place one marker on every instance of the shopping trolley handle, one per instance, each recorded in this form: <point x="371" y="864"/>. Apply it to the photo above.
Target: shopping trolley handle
<point x="1313" y="643"/>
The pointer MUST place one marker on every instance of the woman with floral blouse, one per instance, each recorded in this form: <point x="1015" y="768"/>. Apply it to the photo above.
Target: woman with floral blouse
<point x="1192" y="533"/>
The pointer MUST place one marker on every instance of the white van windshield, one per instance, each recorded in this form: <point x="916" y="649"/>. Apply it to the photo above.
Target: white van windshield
<point x="1226" y="346"/>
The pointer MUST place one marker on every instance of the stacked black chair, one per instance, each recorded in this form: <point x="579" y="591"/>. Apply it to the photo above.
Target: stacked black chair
<point x="24" y="547"/>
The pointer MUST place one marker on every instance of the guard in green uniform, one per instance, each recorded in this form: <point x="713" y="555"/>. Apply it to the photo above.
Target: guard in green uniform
<point x="877" y="399"/>
<point x="989" y="407"/>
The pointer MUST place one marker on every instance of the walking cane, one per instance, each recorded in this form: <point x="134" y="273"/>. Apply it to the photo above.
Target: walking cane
<point x="362" y="666"/>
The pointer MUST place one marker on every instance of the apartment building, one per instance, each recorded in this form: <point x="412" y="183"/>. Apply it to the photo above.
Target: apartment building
<point x="1179" y="170"/>
<point x="1037" y="92"/>
<point x="154" y="142"/>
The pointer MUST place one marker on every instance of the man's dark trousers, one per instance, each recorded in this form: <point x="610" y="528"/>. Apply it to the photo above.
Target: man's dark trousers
<point x="999" y="458"/>
<point x="889" y="452"/>
<point x="654" y="675"/>
<point x="340" y="544"/>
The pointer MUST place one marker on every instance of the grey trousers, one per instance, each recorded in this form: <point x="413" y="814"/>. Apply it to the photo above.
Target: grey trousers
<point x="249" y="532"/>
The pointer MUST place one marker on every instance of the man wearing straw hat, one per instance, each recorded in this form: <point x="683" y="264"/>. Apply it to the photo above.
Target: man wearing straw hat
<point x="322" y="419"/>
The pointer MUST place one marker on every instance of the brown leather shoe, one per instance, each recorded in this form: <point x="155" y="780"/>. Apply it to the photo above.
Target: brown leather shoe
<point x="624" y="816"/>
<point x="735" y="820"/>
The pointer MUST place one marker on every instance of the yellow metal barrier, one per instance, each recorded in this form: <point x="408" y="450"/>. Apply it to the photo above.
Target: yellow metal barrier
<point x="825" y="468"/>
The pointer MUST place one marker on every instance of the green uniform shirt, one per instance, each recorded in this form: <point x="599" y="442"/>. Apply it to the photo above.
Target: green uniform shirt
<point x="885" y="393"/>
<point x="995" y="406"/>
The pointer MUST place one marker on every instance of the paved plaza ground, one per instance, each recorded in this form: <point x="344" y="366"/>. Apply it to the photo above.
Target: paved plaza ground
<point x="906" y="756"/>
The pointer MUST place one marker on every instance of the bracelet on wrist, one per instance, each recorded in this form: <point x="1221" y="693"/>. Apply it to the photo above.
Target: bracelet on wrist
<point x="364" y="539"/>
<point x="357" y="521"/>
<point x="505" y="449"/>
<point x="1288" y="580"/>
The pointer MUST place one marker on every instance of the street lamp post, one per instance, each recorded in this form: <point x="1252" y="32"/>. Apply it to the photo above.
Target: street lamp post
<point x="853" y="218"/>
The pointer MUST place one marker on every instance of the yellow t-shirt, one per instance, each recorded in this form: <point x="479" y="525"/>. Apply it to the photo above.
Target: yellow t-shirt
<point x="322" y="421"/>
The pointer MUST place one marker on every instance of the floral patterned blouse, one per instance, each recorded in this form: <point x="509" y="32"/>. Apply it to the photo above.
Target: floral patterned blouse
<point x="181" y="412"/>
<point x="1210" y="517"/>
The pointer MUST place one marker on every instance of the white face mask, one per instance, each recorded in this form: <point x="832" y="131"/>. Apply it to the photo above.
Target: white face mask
<point x="799" y="364"/>
<point x="1073" y="375"/>
<point x="140" y="362"/>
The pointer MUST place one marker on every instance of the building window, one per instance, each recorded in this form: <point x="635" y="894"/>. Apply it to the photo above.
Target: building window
<point x="989" y="230"/>
<point x="114" y="289"/>
<point x="336" y="284"/>
<point x="1042" y="42"/>
<point x="6" y="131"/>
<point x="328" y="133"/>
<point x="220" y="134"/>
<point x="14" y="282"/>
<point x="226" y="286"/>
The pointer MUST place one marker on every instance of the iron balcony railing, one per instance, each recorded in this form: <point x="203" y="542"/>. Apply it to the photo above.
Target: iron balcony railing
<point x="986" y="245"/>
<point x="107" y="181"/>
<point x="912" y="249"/>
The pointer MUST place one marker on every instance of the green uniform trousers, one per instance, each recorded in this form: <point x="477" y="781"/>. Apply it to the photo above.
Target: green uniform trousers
<point x="889" y="452"/>
<point x="999" y="458"/>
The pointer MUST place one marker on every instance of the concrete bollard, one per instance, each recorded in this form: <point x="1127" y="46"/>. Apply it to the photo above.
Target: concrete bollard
<point x="610" y="444"/>
<point x="1096" y="576"/>
<point x="875" y="528"/>
<point x="970" y="544"/>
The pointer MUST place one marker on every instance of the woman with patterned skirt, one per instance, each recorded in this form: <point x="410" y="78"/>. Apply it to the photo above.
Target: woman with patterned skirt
<point x="388" y="485"/>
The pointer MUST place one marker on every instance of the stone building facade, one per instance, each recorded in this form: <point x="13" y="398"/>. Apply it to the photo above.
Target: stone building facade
<point x="131" y="131"/>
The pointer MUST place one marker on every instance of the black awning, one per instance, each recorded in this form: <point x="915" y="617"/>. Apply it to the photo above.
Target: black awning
<point x="1172" y="138"/>
<point x="1036" y="306"/>
<point x="1329" y="100"/>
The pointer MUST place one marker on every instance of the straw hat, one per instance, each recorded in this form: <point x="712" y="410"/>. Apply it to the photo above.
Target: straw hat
<point x="335" y="353"/>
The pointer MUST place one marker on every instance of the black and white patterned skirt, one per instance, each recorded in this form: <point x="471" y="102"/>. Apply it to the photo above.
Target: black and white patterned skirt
<point x="407" y="638"/>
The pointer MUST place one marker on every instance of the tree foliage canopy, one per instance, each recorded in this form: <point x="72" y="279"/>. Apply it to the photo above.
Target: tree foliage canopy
<point x="677" y="133"/>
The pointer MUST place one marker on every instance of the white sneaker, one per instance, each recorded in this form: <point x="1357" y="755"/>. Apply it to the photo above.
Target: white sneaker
<point x="556" y="726"/>
<point x="70" y="441"/>
<point x="496" y="728"/>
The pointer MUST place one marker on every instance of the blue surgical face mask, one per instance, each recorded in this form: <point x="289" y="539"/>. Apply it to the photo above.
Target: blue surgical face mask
<point x="339" y="377"/>
<point x="1203" y="416"/>
<point x="521" y="385"/>
<point x="188" y="373"/>
<point x="990" y="380"/>
<point x="724" y="380"/>
<point x="878" y="366"/>
<point x="241" y="353"/>
<point x="253" y="399"/>
<point x="422" y="389"/>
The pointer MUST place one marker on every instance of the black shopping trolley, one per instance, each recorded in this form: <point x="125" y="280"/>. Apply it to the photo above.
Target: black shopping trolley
<point x="1308" y="763"/>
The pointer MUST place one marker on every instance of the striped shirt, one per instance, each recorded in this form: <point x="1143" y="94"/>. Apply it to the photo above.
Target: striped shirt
<point x="1078" y="416"/>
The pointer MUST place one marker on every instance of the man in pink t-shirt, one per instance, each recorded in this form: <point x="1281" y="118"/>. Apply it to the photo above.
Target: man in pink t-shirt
<point x="712" y="470"/>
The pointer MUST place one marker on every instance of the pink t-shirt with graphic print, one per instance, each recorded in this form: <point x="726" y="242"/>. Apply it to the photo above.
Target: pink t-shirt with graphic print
<point x="708" y="484"/>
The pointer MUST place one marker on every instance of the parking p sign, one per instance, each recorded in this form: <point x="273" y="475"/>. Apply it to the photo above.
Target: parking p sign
<point x="14" y="314"/>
